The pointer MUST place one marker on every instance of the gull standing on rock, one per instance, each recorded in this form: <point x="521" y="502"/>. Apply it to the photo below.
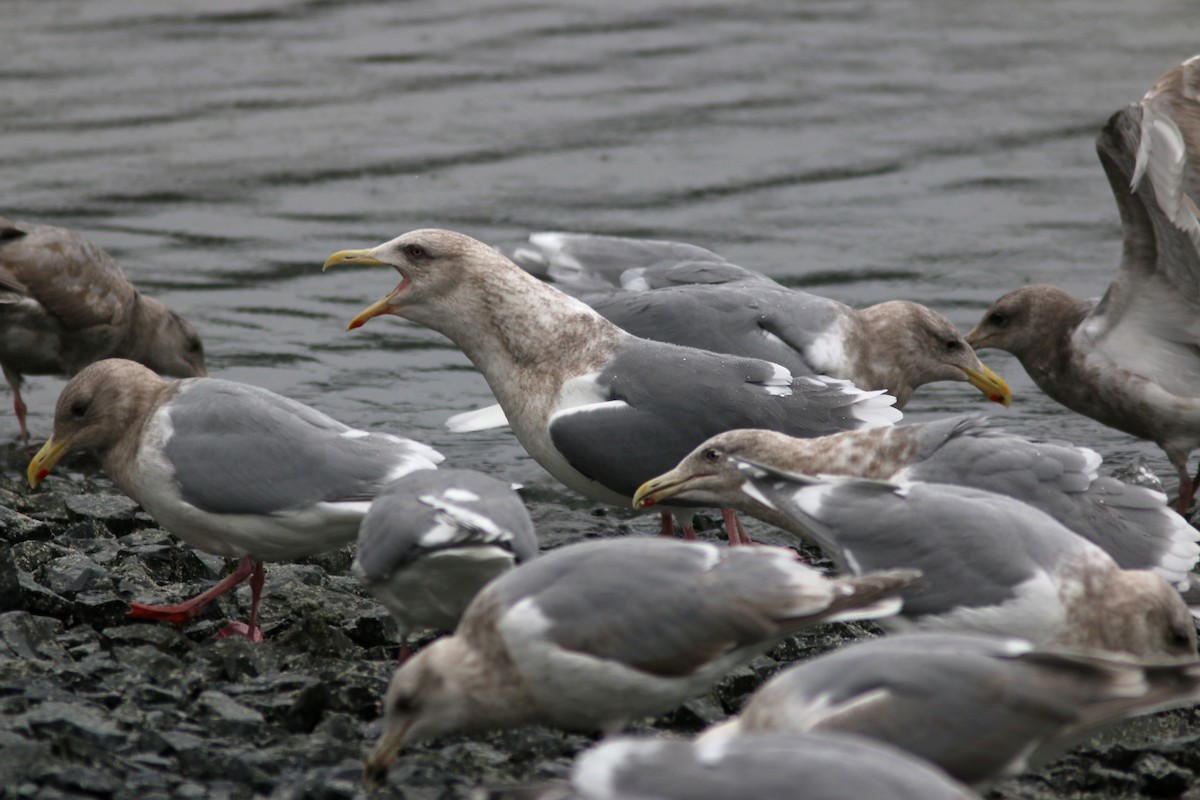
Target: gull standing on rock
<point x="593" y="635"/>
<point x="65" y="303"/>
<point x="599" y="408"/>
<point x="979" y="707"/>
<point x="1131" y="360"/>
<point x="433" y="538"/>
<point x="682" y="294"/>
<point x="232" y="469"/>
<point x="990" y="564"/>
<point x="1132" y="524"/>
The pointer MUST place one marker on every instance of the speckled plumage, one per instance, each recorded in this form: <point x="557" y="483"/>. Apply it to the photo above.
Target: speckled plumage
<point x="678" y="293"/>
<point x="65" y="303"/>
<point x="979" y="707"/>
<point x="1132" y="524"/>
<point x="599" y="408"/>
<point x="1132" y="359"/>
<point x="593" y="635"/>
<point x="990" y="564"/>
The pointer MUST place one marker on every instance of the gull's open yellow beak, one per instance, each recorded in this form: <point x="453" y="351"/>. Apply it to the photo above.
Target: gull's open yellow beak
<point x="362" y="258"/>
<point x="991" y="384"/>
<point x="41" y="464"/>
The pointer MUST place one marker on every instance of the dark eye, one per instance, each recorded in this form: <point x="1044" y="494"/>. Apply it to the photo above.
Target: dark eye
<point x="953" y="345"/>
<point x="79" y="407"/>
<point x="1179" y="641"/>
<point x="997" y="319"/>
<point x="711" y="455"/>
<point x="415" y="251"/>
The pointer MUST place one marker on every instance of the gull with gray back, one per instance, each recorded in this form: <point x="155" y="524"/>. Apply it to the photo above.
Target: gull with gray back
<point x="990" y="564"/>
<point x="232" y="469"/>
<point x="433" y="538"/>
<point x="1131" y="523"/>
<point x="599" y="408"/>
<point x="979" y="707"/>
<point x="593" y="635"/>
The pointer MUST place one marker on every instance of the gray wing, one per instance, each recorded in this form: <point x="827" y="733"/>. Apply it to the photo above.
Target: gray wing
<point x="756" y="320"/>
<point x="1151" y="155"/>
<point x="969" y="704"/>
<point x="239" y="449"/>
<point x="431" y="510"/>
<point x="1131" y="523"/>
<point x="972" y="547"/>
<point x="659" y="401"/>
<point x="589" y="262"/>
<point x="775" y="767"/>
<point x="661" y="606"/>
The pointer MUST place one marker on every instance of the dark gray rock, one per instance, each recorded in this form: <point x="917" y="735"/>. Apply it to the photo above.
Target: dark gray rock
<point x="115" y="511"/>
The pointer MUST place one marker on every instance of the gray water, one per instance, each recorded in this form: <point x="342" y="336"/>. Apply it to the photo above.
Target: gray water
<point x="927" y="149"/>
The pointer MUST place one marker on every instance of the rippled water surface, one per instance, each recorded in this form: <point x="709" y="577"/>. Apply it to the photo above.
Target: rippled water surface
<point x="932" y="150"/>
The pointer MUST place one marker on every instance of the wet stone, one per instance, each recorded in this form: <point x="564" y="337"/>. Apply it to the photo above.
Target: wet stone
<point x="228" y="716"/>
<point x="115" y="511"/>
<point x="25" y="636"/>
<point x="10" y="584"/>
<point x="77" y="727"/>
<point x="17" y="527"/>
<point x="1160" y="777"/>
<point x="72" y="573"/>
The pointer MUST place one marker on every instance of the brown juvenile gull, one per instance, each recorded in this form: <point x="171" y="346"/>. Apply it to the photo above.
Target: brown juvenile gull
<point x="1131" y="360"/>
<point x="979" y="707"/>
<point x="65" y="303"/>
<point x="433" y="538"/>
<point x="599" y="408"/>
<point x="671" y="292"/>
<point x="593" y="635"/>
<point x="1131" y="523"/>
<point x="765" y="767"/>
<point x="990" y="564"/>
<point x="232" y="469"/>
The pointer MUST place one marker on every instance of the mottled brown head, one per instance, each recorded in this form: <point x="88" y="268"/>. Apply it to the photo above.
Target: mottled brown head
<point x="423" y="700"/>
<point x="707" y="475"/>
<point x="1145" y="617"/>
<point x="165" y="342"/>
<point x="920" y="346"/>
<point x="1025" y="320"/>
<point x="431" y="263"/>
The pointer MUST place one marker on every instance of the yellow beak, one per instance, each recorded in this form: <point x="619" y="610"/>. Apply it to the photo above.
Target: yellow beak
<point x="362" y="258"/>
<point x="44" y="461"/>
<point x="657" y="489"/>
<point x="991" y="384"/>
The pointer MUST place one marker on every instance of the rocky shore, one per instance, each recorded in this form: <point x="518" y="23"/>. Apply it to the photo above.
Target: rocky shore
<point x="93" y="704"/>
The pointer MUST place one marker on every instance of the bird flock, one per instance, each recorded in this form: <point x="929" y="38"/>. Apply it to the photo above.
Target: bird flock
<point x="1028" y="600"/>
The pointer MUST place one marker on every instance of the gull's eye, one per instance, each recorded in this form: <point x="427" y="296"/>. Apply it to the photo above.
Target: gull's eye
<point x="711" y="455"/>
<point x="79" y="407"/>
<point x="404" y="704"/>
<point x="415" y="251"/>
<point x="998" y="319"/>
<point x="953" y="345"/>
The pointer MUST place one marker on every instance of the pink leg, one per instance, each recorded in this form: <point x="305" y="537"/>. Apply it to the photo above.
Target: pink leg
<point x="190" y="609"/>
<point x="668" y="526"/>
<point x="689" y="532"/>
<point x="734" y="529"/>
<point x="405" y="652"/>
<point x="249" y="630"/>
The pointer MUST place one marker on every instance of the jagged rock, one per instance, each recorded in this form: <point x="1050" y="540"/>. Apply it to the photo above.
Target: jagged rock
<point x="116" y="512"/>
<point x="72" y="573"/>
<point x="16" y="527"/>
